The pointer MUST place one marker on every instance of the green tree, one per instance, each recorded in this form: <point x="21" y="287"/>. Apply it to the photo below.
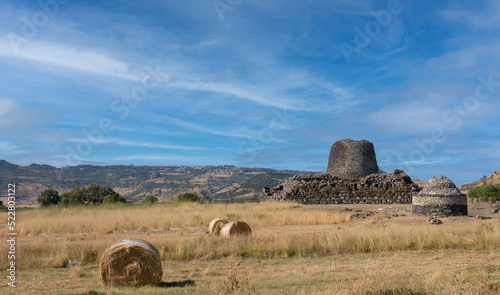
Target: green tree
<point x="188" y="197"/>
<point x="77" y="196"/>
<point x="113" y="199"/>
<point x="120" y="199"/>
<point x="65" y="199"/>
<point x="491" y="192"/>
<point x="49" y="197"/>
<point x="151" y="200"/>
<point x="94" y="194"/>
<point x="108" y="199"/>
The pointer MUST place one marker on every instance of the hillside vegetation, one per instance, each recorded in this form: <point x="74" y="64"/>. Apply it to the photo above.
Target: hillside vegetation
<point x="135" y="183"/>
<point x="489" y="193"/>
<point x="493" y="179"/>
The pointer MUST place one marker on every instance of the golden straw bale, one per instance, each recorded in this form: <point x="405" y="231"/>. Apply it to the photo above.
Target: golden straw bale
<point x="216" y="225"/>
<point x="236" y="228"/>
<point x="130" y="262"/>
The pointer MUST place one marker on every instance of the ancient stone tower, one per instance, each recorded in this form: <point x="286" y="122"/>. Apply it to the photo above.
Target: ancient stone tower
<point x="352" y="178"/>
<point x="439" y="196"/>
<point x="352" y="159"/>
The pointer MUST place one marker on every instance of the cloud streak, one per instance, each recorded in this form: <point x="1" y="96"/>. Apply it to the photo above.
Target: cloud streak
<point x="125" y="142"/>
<point x="69" y="57"/>
<point x="208" y="130"/>
<point x="486" y="18"/>
<point x="225" y="81"/>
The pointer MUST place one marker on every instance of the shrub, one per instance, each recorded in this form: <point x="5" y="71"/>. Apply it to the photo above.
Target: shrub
<point x="49" y="197"/>
<point x="151" y="200"/>
<point x="204" y="198"/>
<point x="109" y="199"/>
<point x="94" y="194"/>
<point x="490" y="192"/>
<point x="188" y="197"/>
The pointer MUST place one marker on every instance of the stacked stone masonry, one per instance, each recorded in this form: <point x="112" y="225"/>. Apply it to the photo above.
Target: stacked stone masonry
<point x="352" y="159"/>
<point x="439" y="196"/>
<point x="325" y="188"/>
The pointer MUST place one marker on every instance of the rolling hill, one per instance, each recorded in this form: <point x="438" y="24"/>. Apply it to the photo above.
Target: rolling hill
<point x="135" y="183"/>
<point x="486" y="180"/>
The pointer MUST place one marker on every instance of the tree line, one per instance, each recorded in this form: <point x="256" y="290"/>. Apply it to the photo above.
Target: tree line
<point x="96" y="194"/>
<point x="93" y="195"/>
<point x="486" y="192"/>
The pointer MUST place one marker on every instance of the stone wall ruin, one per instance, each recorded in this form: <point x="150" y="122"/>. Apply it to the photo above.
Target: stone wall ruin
<point x="439" y="196"/>
<point x="352" y="159"/>
<point x="352" y="177"/>
<point x="324" y="188"/>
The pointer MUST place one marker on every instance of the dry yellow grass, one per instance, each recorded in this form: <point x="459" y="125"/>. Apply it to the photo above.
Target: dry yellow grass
<point x="164" y="217"/>
<point x="435" y="272"/>
<point x="294" y="249"/>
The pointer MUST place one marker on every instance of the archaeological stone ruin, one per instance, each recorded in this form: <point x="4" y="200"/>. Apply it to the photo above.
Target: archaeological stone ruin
<point x="439" y="196"/>
<point x="352" y="177"/>
<point x="352" y="159"/>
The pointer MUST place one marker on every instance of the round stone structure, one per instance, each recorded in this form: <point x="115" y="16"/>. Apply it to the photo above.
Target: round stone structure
<point x="352" y="159"/>
<point x="439" y="196"/>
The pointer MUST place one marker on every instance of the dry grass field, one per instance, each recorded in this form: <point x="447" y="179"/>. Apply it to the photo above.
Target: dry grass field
<point x="294" y="249"/>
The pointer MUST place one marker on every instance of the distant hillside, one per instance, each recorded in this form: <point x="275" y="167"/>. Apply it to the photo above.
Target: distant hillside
<point x="486" y="180"/>
<point x="137" y="182"/>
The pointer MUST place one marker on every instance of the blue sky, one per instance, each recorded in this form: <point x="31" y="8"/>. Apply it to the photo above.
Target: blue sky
<point x="253" y="83"/>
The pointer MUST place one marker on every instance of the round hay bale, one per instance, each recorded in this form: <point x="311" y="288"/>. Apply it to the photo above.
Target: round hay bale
<point x="236" y="228"/>
<point x="216" y="225"/>
<point x="130" y="262"/>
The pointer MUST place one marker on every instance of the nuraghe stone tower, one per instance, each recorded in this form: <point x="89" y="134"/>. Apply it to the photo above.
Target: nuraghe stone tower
<point x="352" y="177"/>
<point x="439" y="196"/>
<point x="352" y="159"/>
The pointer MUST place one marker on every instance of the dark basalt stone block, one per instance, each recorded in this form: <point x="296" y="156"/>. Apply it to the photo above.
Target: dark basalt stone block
<point x="352" y="159"/>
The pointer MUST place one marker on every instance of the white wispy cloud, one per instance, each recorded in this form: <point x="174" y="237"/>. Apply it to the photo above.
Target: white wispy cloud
<point x="438" y="160"/>
<point x="479" y="56"/>
<point x="253" y="95"/>
<point x="209" y="130"/>
<point x="284" y="8"/>
<point x="224" y="80"/>
<point x="86" y="60"/>
<point x="490" y="148"/>
<point x="125" y="142"/>
<point x="15" y="116"/>
<point x="10" y="148"/>
<point x="485" y="18"/>
<point x="7" y="105"/>
<point x="408" y="116"/>
<point x="201" y="45"/>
